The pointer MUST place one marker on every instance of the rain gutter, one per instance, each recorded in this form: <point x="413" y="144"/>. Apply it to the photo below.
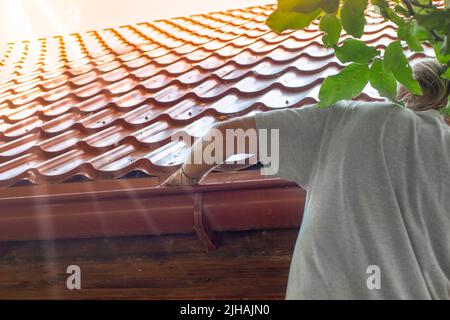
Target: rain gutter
<point x="130" y="207"/>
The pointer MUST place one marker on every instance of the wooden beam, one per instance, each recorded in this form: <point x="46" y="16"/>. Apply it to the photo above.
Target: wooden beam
<point x="252" y="264"/>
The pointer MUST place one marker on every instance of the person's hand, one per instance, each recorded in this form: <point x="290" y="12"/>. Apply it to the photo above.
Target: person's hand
<point x="179" y="179"/>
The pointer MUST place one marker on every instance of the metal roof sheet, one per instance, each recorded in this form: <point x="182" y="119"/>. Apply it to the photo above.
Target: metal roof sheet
<point x="104" y="103"/>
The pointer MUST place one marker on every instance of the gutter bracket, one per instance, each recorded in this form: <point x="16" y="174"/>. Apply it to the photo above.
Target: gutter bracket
<point x="208" y="237"/>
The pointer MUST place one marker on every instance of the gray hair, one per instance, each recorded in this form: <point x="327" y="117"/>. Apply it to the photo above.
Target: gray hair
<point x="428" y="72"/>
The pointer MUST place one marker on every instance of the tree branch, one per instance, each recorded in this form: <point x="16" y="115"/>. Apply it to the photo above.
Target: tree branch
<point x="424" y="6"/>
<point x="435" y="35"/>
<point x="409" y="7"/>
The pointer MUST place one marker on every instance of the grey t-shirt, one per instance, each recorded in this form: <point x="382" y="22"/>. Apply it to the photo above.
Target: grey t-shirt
<point x="377" y="218"/>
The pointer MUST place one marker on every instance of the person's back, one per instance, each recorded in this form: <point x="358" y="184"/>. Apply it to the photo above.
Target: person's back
<point x="377" y="216"/>
<point x="376" y="223"/>
<point x="378" y="200"/>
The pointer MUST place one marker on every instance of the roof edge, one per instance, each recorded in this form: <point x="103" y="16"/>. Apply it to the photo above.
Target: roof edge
<point x="234" y="201"/>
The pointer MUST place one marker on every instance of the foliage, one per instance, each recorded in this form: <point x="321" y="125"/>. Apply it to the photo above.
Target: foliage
<point x="418" y="22"/>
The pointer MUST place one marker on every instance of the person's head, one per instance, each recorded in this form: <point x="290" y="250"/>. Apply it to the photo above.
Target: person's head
<point x="435" y="89"/>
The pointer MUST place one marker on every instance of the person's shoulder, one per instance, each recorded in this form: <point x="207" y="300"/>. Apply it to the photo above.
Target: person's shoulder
<point x="376" y="106"/>
<point x="362" y="108"/>
<point x="357" y="109"/>
<point x="372" y="113"/>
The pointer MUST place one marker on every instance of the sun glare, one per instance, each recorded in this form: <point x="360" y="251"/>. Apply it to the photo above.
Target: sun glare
<point x="28" y="19"/>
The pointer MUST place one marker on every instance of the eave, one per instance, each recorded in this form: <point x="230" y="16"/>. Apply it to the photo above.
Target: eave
<point x="130" y="207"/>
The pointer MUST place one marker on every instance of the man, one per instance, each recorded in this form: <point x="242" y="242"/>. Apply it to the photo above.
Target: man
<point x="377" y="175"/>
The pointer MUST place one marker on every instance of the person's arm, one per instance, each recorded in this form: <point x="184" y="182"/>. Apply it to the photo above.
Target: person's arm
<point x="293" y="137"/>
<point x="191" y="172"/>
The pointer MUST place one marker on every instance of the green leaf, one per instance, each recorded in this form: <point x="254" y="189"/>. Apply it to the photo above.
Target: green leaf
<point x="445" y="50"/>
<point x="399" y="21"/>
<point x="380" y="3"/>
<point x="353" y="50"/>
<point x="437" y="22"/>
<point x="279" y="20"/>
<point x="331" y="25"/>
<point x="300" y="6"/>
<point x="346" y="84"/>
<point x="383" y="81"/>
<point x="446" y="74"/>
<point x="392" y="54"/>
<point x="442" y="58"/>
<point x="409" y="32"/>
<point x="400" y="9"/>
<point x="446" y="110"/>
<point x="422" y="33"/>
<point x="396" y="61"/>
<point x="437" y="19"/>
<point x="422" y="2"/>
<point x="353" y="17"/>
<point x="329" y="6"/>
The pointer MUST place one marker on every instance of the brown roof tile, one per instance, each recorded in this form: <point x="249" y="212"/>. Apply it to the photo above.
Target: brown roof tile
<point x="105" y="103"/>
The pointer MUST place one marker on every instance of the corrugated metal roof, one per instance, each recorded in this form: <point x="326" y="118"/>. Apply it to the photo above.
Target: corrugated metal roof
<point x="105" y="103"/>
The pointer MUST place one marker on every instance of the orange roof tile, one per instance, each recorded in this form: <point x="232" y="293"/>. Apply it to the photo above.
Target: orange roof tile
<point x="106" y="103"/>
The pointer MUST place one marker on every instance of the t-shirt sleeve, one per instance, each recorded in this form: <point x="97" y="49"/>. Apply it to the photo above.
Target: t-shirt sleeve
<point x="294" y="153"/>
